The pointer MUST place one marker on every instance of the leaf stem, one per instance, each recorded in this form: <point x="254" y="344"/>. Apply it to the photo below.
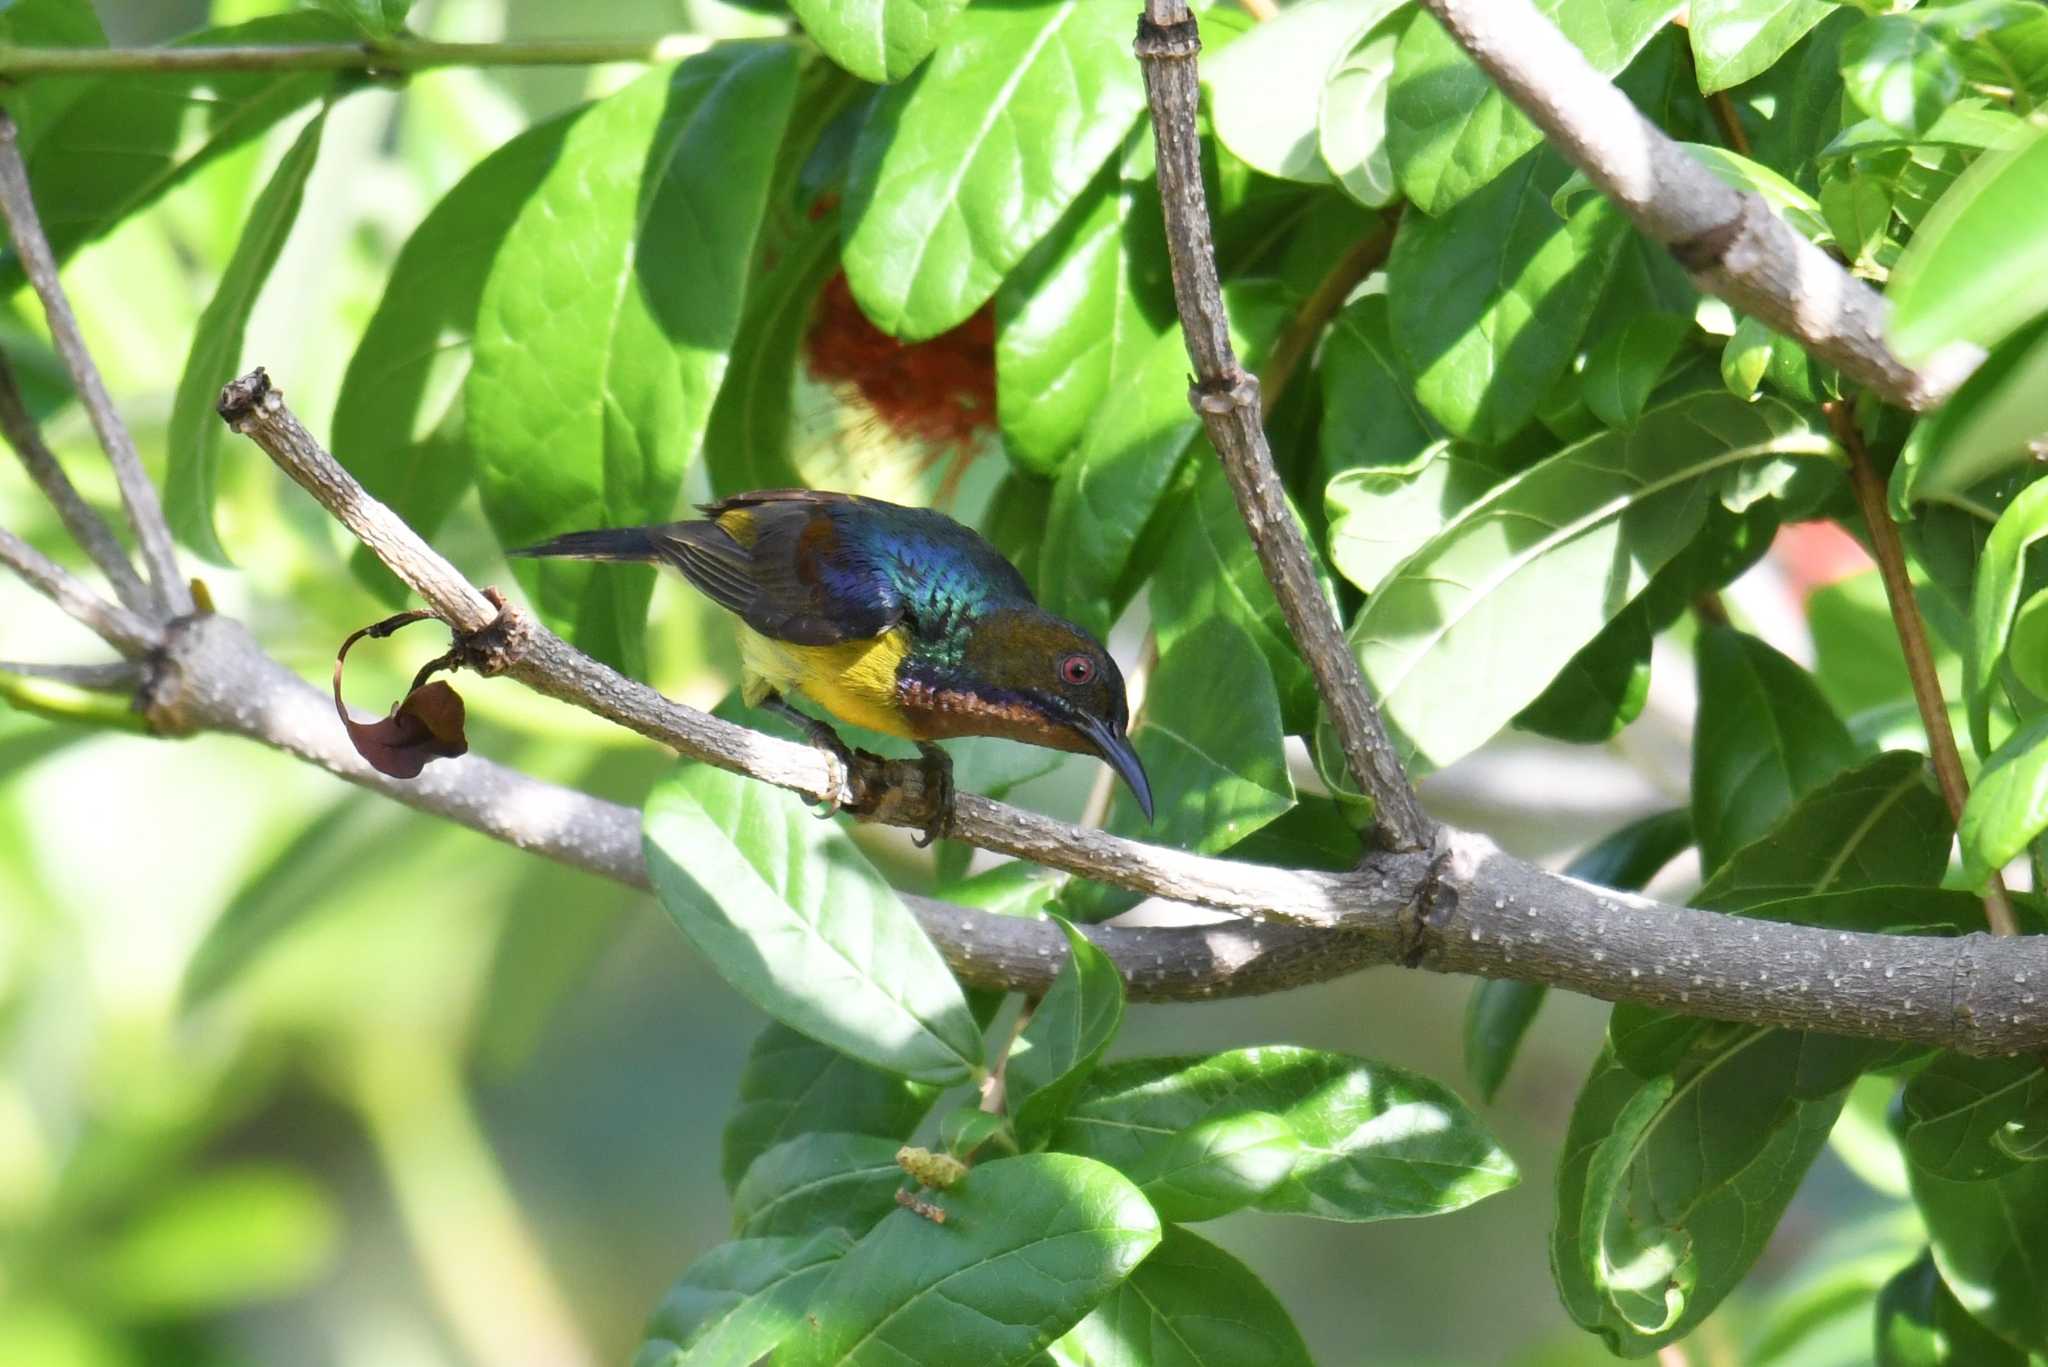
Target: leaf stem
<point x="1912" y="629"/>
<point x="1302" y="331"/>
<point x="390" y="55"/>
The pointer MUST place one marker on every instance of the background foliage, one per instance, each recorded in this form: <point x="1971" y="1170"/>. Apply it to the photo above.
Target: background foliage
<point x="298" y="1076"/>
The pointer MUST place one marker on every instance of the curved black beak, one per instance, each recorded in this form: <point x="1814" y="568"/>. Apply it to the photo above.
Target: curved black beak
<point x="1115" y="748"/>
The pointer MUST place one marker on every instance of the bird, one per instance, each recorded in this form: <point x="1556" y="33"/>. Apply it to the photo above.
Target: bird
<point x="898" y="619"/>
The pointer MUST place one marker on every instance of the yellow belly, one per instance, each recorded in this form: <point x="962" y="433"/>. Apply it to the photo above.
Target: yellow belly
<point x="854" y="680"/>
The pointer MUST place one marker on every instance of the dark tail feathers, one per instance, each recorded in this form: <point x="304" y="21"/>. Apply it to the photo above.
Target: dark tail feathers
<point x="606" y="543"/>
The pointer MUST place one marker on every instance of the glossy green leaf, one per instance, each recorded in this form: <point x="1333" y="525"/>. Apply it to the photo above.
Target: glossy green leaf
<point x="735" y="1303"/>
<point x="800" y="923"/>
<point x="747" y="443"/>
<point x="1940" y="289"/>
<point x="1110" y="489"/>
<point x="1988" y="427"/>
<point x="196" y="435"/>
<point x="793" y="1085"/>
<point x="1746" y="358"/>
<point x="816" y="1181"/>
<point x="1266" y="90"/>
<point x="1351" y="130"/>
<point x="1376" y="1142"/>
<point x="1764" y="738"/>
<point x="1189" y="1304"/>
<point x="1601" y="689"/>
<point x="1449" y="129"/>
<point x="1859" y="213"/>
<point x="1477" y="622"/>
<point x="607" y="317"/>
<point x="1370" y="415"/>
<point x="1920" y="1324"/>
<point x="1489" y="301"/>
<point x="1625" y="366"/>
<point x="103" y="148"/>
<point x="1735" y="40"/>
<point x="1075" y="1021"/>
<point x="2001" y="574"/>
<point x="1988" y="1237"/>
<point x="959" y="173"/>
<point x="1499" y="1012"/>
<point x="1901" y="70"/>
<point x="877" y="40"/>
<point x="1030" y="1245"/>
<point x="2008" y="807"/>
<point x="1378" y="518"/>
<point x="398" y="424"/>
<point x="1217" y="1165"/>
<point x="1971" y="1118"/>
<point x="1078" y="317"/>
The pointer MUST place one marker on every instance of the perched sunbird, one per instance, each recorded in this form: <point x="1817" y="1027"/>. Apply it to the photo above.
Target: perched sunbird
<point x="897" y="619"/>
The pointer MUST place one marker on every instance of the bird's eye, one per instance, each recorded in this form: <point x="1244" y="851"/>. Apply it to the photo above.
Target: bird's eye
<point x="1077" y="669"/>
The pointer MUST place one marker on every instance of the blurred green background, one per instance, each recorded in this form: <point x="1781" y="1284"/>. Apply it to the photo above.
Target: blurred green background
<point x="426" y="1100"/>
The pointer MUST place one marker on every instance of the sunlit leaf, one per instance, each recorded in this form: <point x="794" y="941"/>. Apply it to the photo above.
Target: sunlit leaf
<point x="735" y="1303"/>
<point x="1072" y="1025"/>
<point x="877" y="40"/>
<point x="1189" y="1304"/>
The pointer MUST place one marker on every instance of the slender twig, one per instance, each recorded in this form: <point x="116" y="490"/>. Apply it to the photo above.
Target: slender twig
<point x="128" y="633"/>
<point x="394" y="54"/>
<point x="1730" y="120"/>
<point x="86" y="526"/>
<point x="114" y="677"/>
<point x="1227" y="398"/>
<point x="1729" y="240"/>
<point x="145" y="511"/>
<point x="1302" y="332"/>
<point x="1466" y="908"/>
<point x="1890" y="554"/>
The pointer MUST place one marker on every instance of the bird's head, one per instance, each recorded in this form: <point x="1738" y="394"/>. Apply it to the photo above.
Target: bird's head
<point x="1037" y="678"/>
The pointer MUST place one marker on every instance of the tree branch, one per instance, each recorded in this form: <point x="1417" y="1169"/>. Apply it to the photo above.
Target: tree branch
<point x="1467" y="909"/>
<point x="86" y="526"/>
<point x="1729" y="241"/>
<point x="133" y="636"/>
<point x="145" y="512"/>
<point x="1890" y="554"/>
<point x="390" y="55"/>
<point x="1227" y="398"/>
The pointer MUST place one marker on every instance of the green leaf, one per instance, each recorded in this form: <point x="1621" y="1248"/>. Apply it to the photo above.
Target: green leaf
<point x="195" y="434"/>
<point x="961" y="171"/>
<point x="1376" y="1142"/>
<point x="376" y="19"/>
<point x="1601" y="689"/>
<point x="1378" y="518"/>
<point x="1266" y="90"/>
<point x="1940" y="289"/>
<point x="1971" y="1118"/>
<point x="794" y="1085"/>
<point x="1537" y="568"/>
<point x="1988" y="1238"/>
<point x="1076" y="319"/>
<point x="1449" y="129"/>
<point x="1500" y="1011"/>
<point x="1489" y="301"/>
<point x="747" y="443"/>
<point x="817" y="1181"/>
<point x="1625" y="366"/>
<point x="1030" y="1244"/>
<point x="216" y="1241"/>
<point x="735" y="1303"/>
<point x="800" y="923"/>
<point x="1189" y="1304"/>
<point x="607" y="317"/>
<point x="1987" y="427"/>
<point x="1351" y="131"/>
<point x="1112" y="487"/>
<point x="1859" y="213"/>
<point x="1920" y="1324"/>
<point x="2001" y="573"/>
<point x="106" y="147"/>
<point x="1746" y="358"/>
<point x="1736" y="40"/>
<point x="877" y="40"/>
<point x="1765" y="737"/>
<point x="2008" y="807"/>
<point x="1899" y="69"/>
<point x="1078" y="1017"/>
<point x="398" y="422"/>
<point x="1218" y="1165"/>
<point x="1370" y="415"/>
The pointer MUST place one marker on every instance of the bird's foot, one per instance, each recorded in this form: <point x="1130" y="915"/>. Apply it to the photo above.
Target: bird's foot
<point x="938" y="777"/>
<point x="847" y="780"/>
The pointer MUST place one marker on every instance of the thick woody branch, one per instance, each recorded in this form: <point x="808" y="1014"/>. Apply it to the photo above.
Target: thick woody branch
<point x="1227" y="398"/>
<point x="128" y="633"/>
<point x="1467" y="908"/>
<point x="86" y="526"/>
<point x="145" y="512"/>
<point x="1730" y="241"/>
